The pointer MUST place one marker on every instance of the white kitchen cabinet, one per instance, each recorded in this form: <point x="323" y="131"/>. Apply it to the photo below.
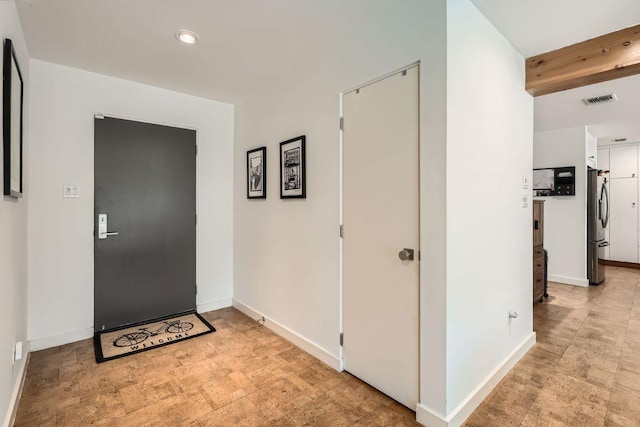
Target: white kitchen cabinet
<point x="623" y="219"/>
<point x="603" y="159"/>
<point x="623" y="162"/>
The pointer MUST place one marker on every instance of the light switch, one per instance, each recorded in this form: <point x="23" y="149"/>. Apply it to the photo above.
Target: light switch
<point x="525" y="182"/>
<point x="71" y="191"/>
<point x="525" y="200"/>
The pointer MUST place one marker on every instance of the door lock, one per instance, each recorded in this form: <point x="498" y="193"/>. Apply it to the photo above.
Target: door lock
<point x="406" y="254"/>
<point x="102" y="228"/>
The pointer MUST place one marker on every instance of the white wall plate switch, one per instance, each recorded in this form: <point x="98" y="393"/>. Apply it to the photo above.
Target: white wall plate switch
<point x="525" y="182"/>
<point x="525" y="200"/>
<point x="71" y="191"/>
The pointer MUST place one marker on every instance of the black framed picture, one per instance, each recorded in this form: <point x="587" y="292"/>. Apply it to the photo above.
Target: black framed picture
<point x="12" y="100"/>
<point x="292" y="168"/>
<point x="257" y="173"/>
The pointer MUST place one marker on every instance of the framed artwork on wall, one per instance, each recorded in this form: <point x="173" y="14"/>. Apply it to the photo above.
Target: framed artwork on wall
<point x="292" y="168"/>
<point x="257" y="173"/>
<point x="12" y="100"/>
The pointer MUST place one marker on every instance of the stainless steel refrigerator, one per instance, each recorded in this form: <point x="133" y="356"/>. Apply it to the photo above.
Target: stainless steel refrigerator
<point x="597" y="219"/>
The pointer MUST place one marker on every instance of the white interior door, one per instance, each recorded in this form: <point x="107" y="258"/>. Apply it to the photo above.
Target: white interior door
<point x="381" y="218"/>
<point x="623" y="220"/>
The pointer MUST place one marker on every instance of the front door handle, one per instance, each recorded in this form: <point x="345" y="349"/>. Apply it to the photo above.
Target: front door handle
<point x="102" y="228"/>
<point x="406" y="254"/>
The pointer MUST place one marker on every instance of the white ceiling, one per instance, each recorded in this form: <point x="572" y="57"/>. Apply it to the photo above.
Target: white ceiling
<point x="539" y="26"/>
<point x="618" y="119"/>
<point x="247" y="45"/>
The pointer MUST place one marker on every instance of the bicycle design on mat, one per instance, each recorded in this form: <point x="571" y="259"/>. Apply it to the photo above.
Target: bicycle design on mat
<point x="132" y="338"/>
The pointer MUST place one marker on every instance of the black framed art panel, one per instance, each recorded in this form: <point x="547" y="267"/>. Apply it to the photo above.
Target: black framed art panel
<point x="12" y="121"/>
<point x="293" y="168"/>
<point x="257" y="173"/>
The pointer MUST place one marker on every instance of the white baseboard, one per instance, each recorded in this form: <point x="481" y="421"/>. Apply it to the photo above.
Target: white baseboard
<point x="214" y="305"/>
<point x="310" y="347"/>
<point x="12" y="410"/>
<point x="569" y="280"/>
<point x="65" y="338"/>
<point x="427" y="417"/>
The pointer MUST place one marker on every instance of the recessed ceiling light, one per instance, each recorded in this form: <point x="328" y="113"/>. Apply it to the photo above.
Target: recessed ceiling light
<point x="186" y="36"/>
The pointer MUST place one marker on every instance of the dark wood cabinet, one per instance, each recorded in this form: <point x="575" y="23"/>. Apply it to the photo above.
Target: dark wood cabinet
<point x="538" y="223"/>
<point x="538" y="251"/>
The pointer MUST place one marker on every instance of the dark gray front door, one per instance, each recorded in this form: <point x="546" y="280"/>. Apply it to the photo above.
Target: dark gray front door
<point x="145" y="184"/>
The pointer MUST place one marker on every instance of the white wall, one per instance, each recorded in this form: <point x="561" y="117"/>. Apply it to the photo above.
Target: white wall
<point x="489" y="237"/>
<point x="565" y="217"/>
<point x="475" y="237"/>
<point x="63" y="102"/>
<point x="287" y="260"/>
<point x="287" y="252"/>
<point x="13" y="241"/>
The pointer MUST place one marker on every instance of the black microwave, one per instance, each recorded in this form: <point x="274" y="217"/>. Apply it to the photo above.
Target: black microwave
<point x="554" y="181"/>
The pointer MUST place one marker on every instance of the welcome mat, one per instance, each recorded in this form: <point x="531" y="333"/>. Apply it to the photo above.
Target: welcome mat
<point x="148" y="335"/>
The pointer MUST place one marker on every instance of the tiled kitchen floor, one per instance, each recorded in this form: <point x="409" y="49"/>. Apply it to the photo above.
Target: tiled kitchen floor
<point x="584" y="370"/>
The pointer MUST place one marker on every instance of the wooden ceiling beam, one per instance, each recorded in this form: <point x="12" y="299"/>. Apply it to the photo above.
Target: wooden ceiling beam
<point x="607" y="57"/>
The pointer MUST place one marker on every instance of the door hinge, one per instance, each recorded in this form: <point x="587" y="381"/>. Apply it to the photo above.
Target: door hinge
<point x="341" y="123"/>
<point x="196" y="289"/>
<point x="342" y="231"/>
<point x="341" y="338"/>
<point x="196" y="150"/>
<point x="196" y="219"/>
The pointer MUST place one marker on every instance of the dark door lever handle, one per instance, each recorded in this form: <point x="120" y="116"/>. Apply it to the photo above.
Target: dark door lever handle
<point x="406" y="254"/>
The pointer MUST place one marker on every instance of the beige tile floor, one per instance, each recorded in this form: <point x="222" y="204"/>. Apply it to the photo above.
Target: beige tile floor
<point x="584" y="370"/>
<point x="241" y="375"/>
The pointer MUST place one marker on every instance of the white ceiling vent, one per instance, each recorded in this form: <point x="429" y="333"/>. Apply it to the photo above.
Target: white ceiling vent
<point x="600" y="99"/>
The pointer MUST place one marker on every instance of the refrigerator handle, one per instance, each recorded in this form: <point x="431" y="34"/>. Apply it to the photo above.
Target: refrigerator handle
<point x="600" y="209"/>
<point x="604" y="201"/>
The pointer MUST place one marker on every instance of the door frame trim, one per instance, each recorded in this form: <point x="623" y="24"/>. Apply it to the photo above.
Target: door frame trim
<point x="151" y="122"/>
<point x="377" y="79"/>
